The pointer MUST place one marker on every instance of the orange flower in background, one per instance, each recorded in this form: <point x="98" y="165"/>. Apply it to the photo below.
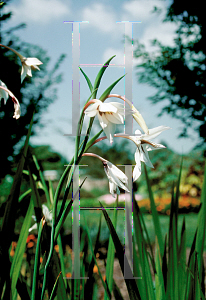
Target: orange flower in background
<point x="56" y="247"/>
<point x="30" y="245"/>
<point x="31" y="237"/>
<point x="95" y="269"/>
<point x="13" y="246"/>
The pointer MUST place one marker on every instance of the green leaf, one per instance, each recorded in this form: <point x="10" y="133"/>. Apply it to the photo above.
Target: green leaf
<point x="90" y="284"/>
<point x="201" y="226"/>
<point x="12" y="202"/>
<point x="25" y="194"/>
<point x="110" y="254"/>
<point x="148" y="275"/>
<point x="88" y="80"/>
<point x="65" y="213"/>
<point x="53" y="294"/>
<point x="182" y="274"/>
<point x="138" y="260"/>
<point x="130" y="283"/>
<point x="8" y="223"/>
<point x="159" y="280"/>
<point x="20" y="249"/>
<point x="36" y="261"/>
<point x="42" y="181"/>
<point x="92" y="140"/>
<point x="156" y="221"/>
<point x="100" y="74"/>
<point x="108" y="90"/>
<point x="92" y="251"/>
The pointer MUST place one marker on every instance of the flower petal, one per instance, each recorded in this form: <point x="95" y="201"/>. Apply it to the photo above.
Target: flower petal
<point x="102" y="120"/>
<point x="144" y="157"/>
<point x="23" y="72"/>
<point x="139" y="119"/>
<point x="112" y="188"/>
<point x="91" y="111"/>
<point x="116" y="180"/>
<point x="3" y="93"/>
<point x="46" y="213"/>
<point x="109" y="131"/>
<point x="155" y="147"/>
<point x="17" y="111"/>
<point x="31" y="61"/>
<point x="114" y="118"/>
<point x="33" y="227"/>
<point x="107" y="107"/>
<point x="137" y="172"/>
<point x="154" y="132"/>
<point x="117" y="172"/>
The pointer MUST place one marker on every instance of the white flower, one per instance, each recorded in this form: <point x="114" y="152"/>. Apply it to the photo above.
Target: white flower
<point x="109" y="114"/>
<point x="4" y="94"/>
<point x="48" y="217"/>
<point x="28" y="64"/>
<point x="135" y="113"/>
<point x="116" y="178"/>
<point x="143" y="145"/>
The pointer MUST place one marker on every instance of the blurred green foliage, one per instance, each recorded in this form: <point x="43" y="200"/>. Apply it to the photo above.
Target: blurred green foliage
<point x="178" y="72"/>
<point x="166" y="167"/>
<point x="47" y="159"/>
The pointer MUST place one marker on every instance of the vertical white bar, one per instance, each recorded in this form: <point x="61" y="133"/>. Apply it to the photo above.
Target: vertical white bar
<point x="75" y="225"/>
<point x="128" y="223"/>
<point x="128" y="50"/>
<point x="75" y="76"/>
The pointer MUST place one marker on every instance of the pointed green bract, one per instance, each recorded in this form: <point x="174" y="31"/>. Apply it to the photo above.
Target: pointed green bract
<point x="88" y="80"/>
<point x="130" y="283"/>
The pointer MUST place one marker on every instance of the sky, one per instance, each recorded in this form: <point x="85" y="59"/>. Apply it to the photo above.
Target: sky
<point x="100" y="38"/>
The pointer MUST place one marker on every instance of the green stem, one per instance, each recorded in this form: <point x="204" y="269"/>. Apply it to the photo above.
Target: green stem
<point x="36" y="262"/>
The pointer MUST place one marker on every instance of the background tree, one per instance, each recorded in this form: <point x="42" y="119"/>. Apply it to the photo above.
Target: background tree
<point x="34" y="93"/>
<point x="179" y="73"/>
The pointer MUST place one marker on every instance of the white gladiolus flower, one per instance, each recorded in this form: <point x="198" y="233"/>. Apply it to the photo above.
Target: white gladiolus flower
<point x="4" y="94"/>
<point x="28" y="64"/>
<point x="109" y="115"/>
<point x="48" y="217"/>
<point x="144" y="144"/>
<point x="116" y="177"/>
<point x="135" y="113"/>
